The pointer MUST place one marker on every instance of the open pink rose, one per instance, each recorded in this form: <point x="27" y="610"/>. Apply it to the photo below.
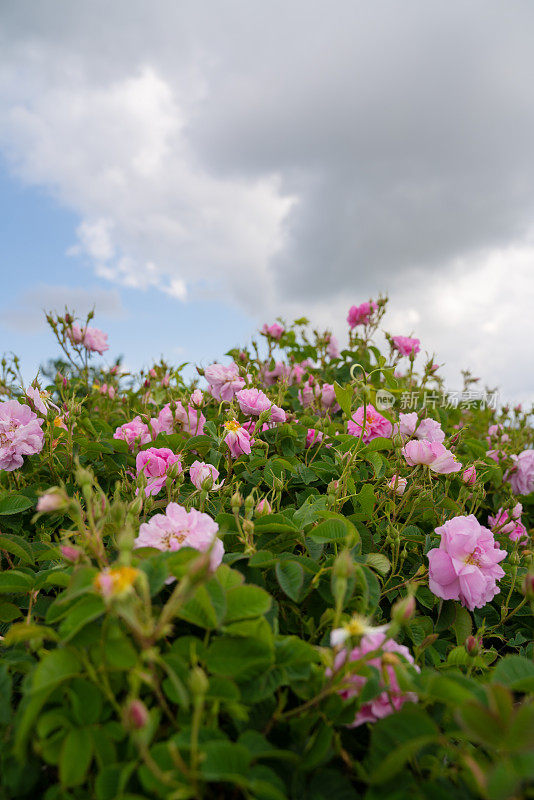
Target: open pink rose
<point x="155" y="463"/>
<point x="361" y="315"/>
<point x="392" y="698"/>
<point x="375" y="424"/>
<point x="521" y="476"/>
<point x="179" y="528"/>
<point x="224" y="381"/>
<point x="135" y="433"/>
<point x="465" y="566"/>
<point x="20" y="434"/>
<point x="333" y="347"/>
<point x="91" y="338"/>
<point x="237" y="439"/>
<point x="275" y="331"/>
<point x="406" y="346"/>
<point x="254" y="402"/>
<point x="510" y="522"/>
<point x="432" y="454"/>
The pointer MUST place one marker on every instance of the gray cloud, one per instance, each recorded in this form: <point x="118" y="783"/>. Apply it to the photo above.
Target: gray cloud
<point x="293" y="156"/>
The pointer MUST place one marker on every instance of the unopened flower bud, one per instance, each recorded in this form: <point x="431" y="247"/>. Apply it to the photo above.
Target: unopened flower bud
<point x="469" y="476"/>
<point x="135" y="715"/>
<point x="198" y="682"/>
<point x="263" y="507"/>
<point x="397" y="484"/>
<point x="70" y="553"/>
<point x="473" y="646"/>
<point x="53" y="500"/>
<point x="236" y="502"/>
<point x="249" y="505"/>
<point x="403" y="610"/>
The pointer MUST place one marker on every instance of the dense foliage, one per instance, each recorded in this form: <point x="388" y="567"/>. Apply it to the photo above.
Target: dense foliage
<point x="307" y="574"/>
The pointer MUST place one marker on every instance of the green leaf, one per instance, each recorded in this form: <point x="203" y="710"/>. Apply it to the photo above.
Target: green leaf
<point x="462" y="625"/>
<point x="331" y="530"/>
<point x="290" y="576"/>
<point x="396" y="739"/>
<point x="15" y="504"/>
<point x="237" y="658"/>
<point x="516" y="673"/>
<point x="55" y="668"/>
<point x="223" y="761"/>
<point x="76" y="755"/>
<point x="15" y="582"/>
<point x="378" y="562"/>
<point x="206" y="608"/>
<point x="17" y="546"/>
<point x="344" y="396"/>
<point x="84" y="611"/>
<point x="244" y="602"/>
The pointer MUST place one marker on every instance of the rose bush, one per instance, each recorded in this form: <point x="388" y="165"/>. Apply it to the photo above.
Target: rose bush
<point x="262" y="583"/>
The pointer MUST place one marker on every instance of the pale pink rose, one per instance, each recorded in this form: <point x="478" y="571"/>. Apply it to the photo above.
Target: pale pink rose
<point x="521" y="476"/>
<point x="204" y="476"/>
<point x="510" y="522"/>
<point x="223" y="381"/>
<point x="70" y="553"/>
<point x="397" y="484"/>
<point x="250" y="426"/>
<point x="237" y="439"/>
<point x="333" y="347"/>
<point x="497" y="432"/>
<point x="465" y="566"/>
<point x="406" y="425"/>
<point x="308" y="393"/>
<point x="470" y="476"/>
<point x="91" y="338"/>
<point x="271" y="376"/>
<point x="297" y="372"/>
<point x="430" y="430"/>
<point x="164" y="422"/>
<point x="109" y="390"/>
<point x="166" y="379"/>
<point x="275" y="331"/>
<point x="40" y="399"/>
<point x="313" y="437"/>
<point x="263" y="507"/>
<point x="406" y="345"/>
<point x="375" y="424"/>
<point x="20" y="434"/>
<point x="254" y="402"/>
<point x="361" y="315"/>
<point x="328" y="398"/>
<point x="496" y="455"/>
<point x="135" y="433"/>
<point x="432" y="454"/>
<point x="179" y="528"/>
<point x="155" y="463"/>
<point x="392" y="698"/>
<point x="192" y="420"/>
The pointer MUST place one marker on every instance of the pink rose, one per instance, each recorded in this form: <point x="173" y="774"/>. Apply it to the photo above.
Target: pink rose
<point x="203" y="476"/>
<point x="237" y="439"/>
<point x="263" y="507"/>
<point x="313" y="437"/>
<point x="430" y="430"/>
<point x="521" y="476"/>
<point x="333" y="347"/>
<point x="392" y="698"/>
<point x="154" y="463"/>
<point x="406" y="346"/>
<point x="361" y="315"/>
<point x="192" y="420"/>
<point x="135" y="433"/>
<point x="275" y="331"/>
<point x="91" y="338"/>
<point x="20" y="434"/>
<point x="465" y="566"/>
<point x="328" y="398"/>
<point x="432" y="454"/>
<point x="375" y="424"/>
<point x="510" y="522"/>
<point x="179" y="528"/>
<point x="223" y="381"/>
<point x="254" y="402"/>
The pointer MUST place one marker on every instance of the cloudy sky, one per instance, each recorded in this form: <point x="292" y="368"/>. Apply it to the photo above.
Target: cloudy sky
<point x="195" y="169"/>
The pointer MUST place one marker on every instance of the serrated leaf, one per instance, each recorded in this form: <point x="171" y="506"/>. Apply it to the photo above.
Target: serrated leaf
<point x="378" y="562"/>
<point x="290" y="576"/>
